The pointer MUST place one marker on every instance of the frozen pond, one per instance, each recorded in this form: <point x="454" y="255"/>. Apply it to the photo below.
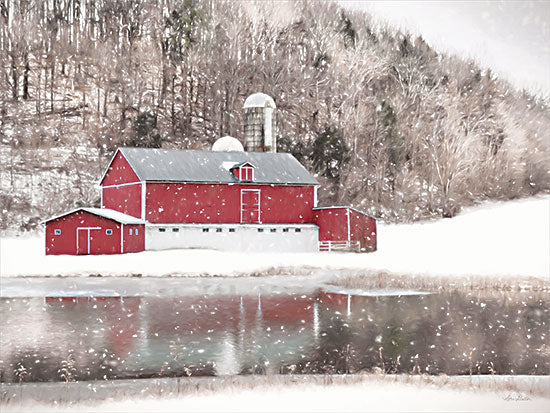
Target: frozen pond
<point x="106" y="328"/>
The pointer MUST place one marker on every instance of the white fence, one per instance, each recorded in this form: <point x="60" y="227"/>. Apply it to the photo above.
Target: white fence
<point x="339" y="246"/>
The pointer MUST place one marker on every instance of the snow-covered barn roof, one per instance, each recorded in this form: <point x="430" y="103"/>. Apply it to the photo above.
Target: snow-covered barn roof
<point x="105" y="213"/>
<point x="205" y="166"/>
<point x="238" y="165"/>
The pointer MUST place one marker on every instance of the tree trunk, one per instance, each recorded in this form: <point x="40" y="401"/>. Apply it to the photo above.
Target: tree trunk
<point x="105" y="96"/>
<point x="38" y="92"/>
<point x="173" y="104"/>
<point x="14" y="78"/>
<point x="52" y="80"/>
<point x="164" y="84"/>
<point x="26" y="77"/>
<point x="204" y="110"/>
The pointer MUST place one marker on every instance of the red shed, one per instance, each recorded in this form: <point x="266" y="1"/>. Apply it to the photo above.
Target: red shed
<point x="86" y="231"/>
<point x="345" y="228"/>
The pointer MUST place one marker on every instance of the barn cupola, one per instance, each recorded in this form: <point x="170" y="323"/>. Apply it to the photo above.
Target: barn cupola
<point x="260" y="134"/>
<point x="244" y="171"/>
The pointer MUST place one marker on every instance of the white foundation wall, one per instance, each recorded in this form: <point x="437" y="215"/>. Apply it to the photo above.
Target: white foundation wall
<point x="271" y="238"/>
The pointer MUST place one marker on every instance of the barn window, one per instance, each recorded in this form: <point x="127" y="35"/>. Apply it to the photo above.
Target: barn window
<point x="57" y="232"/>
<point x="243" y="171"/>
<point x="136" y="231"/>
<point x="130" y="231"/>
<point x="162" y="229"/>
<point x="260" y="230"/>
<point x="285" y="229"/>
<point x="297" y="230"/>
<point x="109" y="231"/>
<point x="273" y="229"/>
<point x="175" y="230"/>
<point x="218" y="230"/>
<point x="247" y="173"/>
<point x="231" y="229"/>
<point x="205" y="229"/>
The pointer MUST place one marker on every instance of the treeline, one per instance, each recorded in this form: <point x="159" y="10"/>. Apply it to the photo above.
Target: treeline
<point x="388" y="124"/>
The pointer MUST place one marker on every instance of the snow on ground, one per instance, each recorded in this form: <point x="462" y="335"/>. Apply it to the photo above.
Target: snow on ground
<point x="372" y="395"/>
<point x="356" y="398"/>
<point x="495" y="239"/>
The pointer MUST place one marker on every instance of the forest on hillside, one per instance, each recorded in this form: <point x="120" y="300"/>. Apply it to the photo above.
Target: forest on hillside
<point x="385" y="122"/>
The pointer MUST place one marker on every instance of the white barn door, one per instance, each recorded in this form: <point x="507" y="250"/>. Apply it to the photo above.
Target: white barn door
<point x="83" y="240"/>
<point x="250" y="206"/>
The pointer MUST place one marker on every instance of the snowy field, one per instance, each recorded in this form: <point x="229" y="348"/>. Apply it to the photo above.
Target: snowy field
<point x="495" y="239"/>
<point x="375" y="393"/>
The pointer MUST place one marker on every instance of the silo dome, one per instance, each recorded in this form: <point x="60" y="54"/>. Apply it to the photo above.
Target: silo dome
<point x="259" y="100"/>
<point x="227" y="144"/>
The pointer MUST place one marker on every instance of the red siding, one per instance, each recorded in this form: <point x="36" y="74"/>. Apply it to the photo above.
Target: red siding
<point x="119" y="172"/>
<point x="221" y="203"/>
<point x="236" y="172"/>
<point x="126" y="199"/>
<point x="363" y="229"/>
<point x="100" y="242"/>
<point x="333" y="224"/>
<point x="133" y="242"/>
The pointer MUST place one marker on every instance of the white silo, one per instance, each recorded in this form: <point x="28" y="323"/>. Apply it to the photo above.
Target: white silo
<point x="260" y="134"/>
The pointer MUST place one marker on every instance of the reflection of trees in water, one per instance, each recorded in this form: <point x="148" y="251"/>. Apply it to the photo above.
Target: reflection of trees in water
<point x="450" y="333"/>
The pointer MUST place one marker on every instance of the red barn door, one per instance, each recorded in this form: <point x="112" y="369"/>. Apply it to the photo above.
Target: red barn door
<point x="250" y="206"/>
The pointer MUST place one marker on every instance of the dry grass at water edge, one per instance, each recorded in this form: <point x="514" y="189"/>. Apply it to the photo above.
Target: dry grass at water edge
<point x="471" y="283"/>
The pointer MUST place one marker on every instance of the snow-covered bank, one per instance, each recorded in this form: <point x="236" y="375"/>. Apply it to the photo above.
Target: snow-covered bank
<point x="495" y="239"/>
<point x="364" y="393"/>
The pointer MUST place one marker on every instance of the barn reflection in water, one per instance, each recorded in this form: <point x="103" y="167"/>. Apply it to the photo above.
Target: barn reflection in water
<point x="85" y="338"/>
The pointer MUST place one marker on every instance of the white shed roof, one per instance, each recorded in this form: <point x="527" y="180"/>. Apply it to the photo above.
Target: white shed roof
<point x="105" y="213"/>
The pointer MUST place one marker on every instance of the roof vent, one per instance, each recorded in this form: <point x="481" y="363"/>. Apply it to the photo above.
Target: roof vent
<point x="227" y="144"/>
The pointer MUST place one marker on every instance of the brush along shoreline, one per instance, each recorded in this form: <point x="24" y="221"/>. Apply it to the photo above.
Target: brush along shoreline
<point x="363" y="281"/>
<point x="439" y="284"/>
<point x="66" y="394"/>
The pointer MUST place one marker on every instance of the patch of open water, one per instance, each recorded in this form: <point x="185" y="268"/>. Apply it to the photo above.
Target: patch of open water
<point x="67" y="330"/>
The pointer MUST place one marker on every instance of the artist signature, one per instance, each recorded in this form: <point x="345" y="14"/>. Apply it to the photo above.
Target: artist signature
<point x="516" y="397"/>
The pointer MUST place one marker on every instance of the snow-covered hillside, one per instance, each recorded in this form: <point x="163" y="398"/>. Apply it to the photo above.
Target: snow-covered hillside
<point x="495" y="239"/>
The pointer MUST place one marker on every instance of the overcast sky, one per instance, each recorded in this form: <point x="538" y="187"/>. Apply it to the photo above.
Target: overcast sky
<point x="510" y="37"/>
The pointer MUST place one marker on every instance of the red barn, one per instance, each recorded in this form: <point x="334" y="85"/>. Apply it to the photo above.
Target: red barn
<point x="225" y="199"/>
<point x="199" y="187"/>
<point x="86" y="231"/>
